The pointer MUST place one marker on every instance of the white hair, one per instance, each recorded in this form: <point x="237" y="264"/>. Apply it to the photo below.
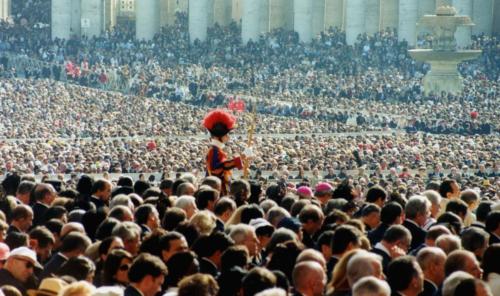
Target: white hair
<point x="184" y="201"/>
<point x="272" y="292"/>
<point x="361" y="265"/>
<point x="452" y="281"/>
<point x="432" y="196"/>
<point x="121" y="200"/>
<point x="239" y="233"/>
<point x="369" y="286"/>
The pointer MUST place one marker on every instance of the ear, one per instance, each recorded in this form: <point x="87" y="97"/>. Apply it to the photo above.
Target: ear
<point x="33" y="244"/>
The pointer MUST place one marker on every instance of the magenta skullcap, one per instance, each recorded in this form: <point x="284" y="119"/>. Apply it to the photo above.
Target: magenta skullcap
<point x="305" y="191"/>
<point x="323" y="187"/>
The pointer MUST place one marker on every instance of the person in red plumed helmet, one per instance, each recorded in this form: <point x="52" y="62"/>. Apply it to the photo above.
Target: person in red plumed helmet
<point x="219" y="123"/>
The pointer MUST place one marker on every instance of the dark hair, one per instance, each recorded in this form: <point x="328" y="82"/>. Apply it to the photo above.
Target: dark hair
<point x="445" y="187"/>
<point x="456" y="261"/>
<point x="250" y="212"/>
<point x="99" y="185"/>
<point x="452" y="221"/>
<point x="231" y="280"/>
<point x="493" y="221"/>
<point x="140" y="187"/>
<point x="180" y="265"/>
<point x="144" y="265"/>
<point x="172" y="218"/>
<point x="258" y="279"/>
<point x="344" y="190"/>
<point x="483" y="209"/>
<point x="343" y="236"/>
<point x="54" y="226"/>
<point x="491" y="261"/>
<point x="74" y="241"/>
<point x="77" y="267"/>
<point x="106" y="228"/>
<point x="142" y="213"/>
<point x="310" y="213"/>
<point x="474" y="238"/>
<point x="234" y="256"/>
<point x="206" y="246"/>
<point x="239" y="190"/>
<point x="125" y="181"/>
<point x="10" y="184"/>
<point x="400" y="272"/>
<point x="284" y="257"/>
<point x="55" y="212"/>
<point x="84" y="185"/>
<point x="223" y="205"/>
<point x="390" y="212"/>
<point x="25" y="187"/>
<point x="395" y="233"/>
<point x="112" y="264"/>
<point x="21" y="212"/>
<point x="167" y="238"/>
<point x="458" y="207"/>
<point x="375" y="193"/>
<point x="166" y="184"/>
<point x="43" y="236"/>
<point x="151" y="243"/>
<point x="92" y="219"/>
<point x="466" y="287"/>
<point x="176" y="184"/>
<point x="204" y="196"/>
<point x="16" y="239"/>
<point x="106" y="244"/>
<point x="370" y="208"/>
<point x="325" y="239"/>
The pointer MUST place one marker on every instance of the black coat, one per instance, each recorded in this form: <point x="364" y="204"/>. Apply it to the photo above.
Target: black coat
<point x="418" y="234"/>
<point x="131" y="291"/>
<point x="39" y="211"/>
<point x="53" y="265"/>
<point x="429" y="289"/>
<point x="377" y="234"/>
<point x="386" y="258"/>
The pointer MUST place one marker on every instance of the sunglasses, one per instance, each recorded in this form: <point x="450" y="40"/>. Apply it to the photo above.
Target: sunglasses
<point x="124" y="267"/>
<point x="27" y="263"/>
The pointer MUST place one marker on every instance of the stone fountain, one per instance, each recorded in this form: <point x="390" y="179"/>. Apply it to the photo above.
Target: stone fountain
<point x="444" y="56"/>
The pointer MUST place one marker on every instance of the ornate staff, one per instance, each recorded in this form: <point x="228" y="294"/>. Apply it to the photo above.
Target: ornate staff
<point x="248" y="150"/>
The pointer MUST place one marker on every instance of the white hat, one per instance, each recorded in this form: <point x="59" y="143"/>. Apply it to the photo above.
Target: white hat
<point x="26" y="253"/>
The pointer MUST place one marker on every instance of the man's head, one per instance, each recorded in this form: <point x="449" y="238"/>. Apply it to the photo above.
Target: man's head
<point x="404" y="275"/>
<point x="418" y="209"/>
<point x="391" y="213"/>
<point x="243" y="234"/>
<point x="448" y="243"/>
<point x="431" y="260"/>
<point x="453" y="280"/>
<point x="22" y="217"/>
<point x="309" y="278"/>
<point x="462" y="260"/>
<point x="102" y="190"/>
<point x="21" y="263"/>
<point x="311" y="218"/>
<point x="398" y="236"/>
<point x="258" y="279"/>
<point x="376" y="195"/>
<point x="344" y="239"/>
<point x="130" y="233"/>
<point x="74" y="244"/>
<point x="449" y="189"/>
<point x="371" y="286"/>
<point x="364" y="264"/>
<point x="198" y="284"/>
<point x="224" y="208"/>
<point x="206" y="198"/>
<point x="147" y="274"/>
<point x="476" y="240"/>
<point x="24" y="191"/>
<point x="147" y="214"/>
<point x="172" y="243"/>
<point x="42" y="241"/>
<point x="188" y="204"/>
<point x="370" y="215"/>
<point x="44" y="193"/>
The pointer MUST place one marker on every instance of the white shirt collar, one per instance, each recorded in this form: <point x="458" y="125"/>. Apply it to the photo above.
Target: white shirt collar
<point x="380" y="246"/>
<point x="217" y="143"/>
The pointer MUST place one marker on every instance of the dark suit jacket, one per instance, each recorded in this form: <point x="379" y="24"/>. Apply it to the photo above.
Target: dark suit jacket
<point x="6" y="278"/>
<point x="418" y="234"/>
<point x="97" y="202"/>
<point x="377" y="234"/>
<point x="494" y="239"/>
<point x="12" y="228"/>
<point x="39" y="211"/>
<point x="131" y="291"/>
<point x="429" y="289"/>
<point x="53" y="265"/>
<point x="208" y="267"/>
<point x="386" y="258"/>
<point x="330" y="265"/>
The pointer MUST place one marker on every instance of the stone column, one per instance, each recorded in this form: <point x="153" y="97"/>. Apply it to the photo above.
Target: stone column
<point x="61" y="19"/>
<point x="482" y="16"/>
<point x="252" y="20"/>
<point x="281" y="14"/>
<point x="5" y="6"/>
<point x="334" y="14"/>
<point x="425" y="7"/>
<point x="222" y="12"/>
<point x="463" y="34"/>
<point x="354" y="20"/>
<point x="318" y="17"/>
<point x="496" y="18"/>
<point x="92" y="17"/>
<point x="198" y="19"/>
<point x="372" y="16"/>
<point x="76" y="18"/>
<point x="147" y="19"/>
<point x="389" y="14"/>
<point x="302" y="22"/>
<point x="407" y="29"/>
<point x="237" y="10"/>
<point x="111" y="9"/>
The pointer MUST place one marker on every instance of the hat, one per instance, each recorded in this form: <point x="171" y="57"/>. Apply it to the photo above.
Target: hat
<point x="305" y="191"/>
<point x="48" y="287"/>
<point x="323" y="187"/>
<point x="290" y="223"/>
<point x="25" y="253"/>
<point x="219" y="123"/>
<point x="4" y="251"/>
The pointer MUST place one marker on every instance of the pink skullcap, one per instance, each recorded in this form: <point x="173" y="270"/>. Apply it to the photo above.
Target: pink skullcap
<point x="305" y="191"/>
<point x="323" y="187"/>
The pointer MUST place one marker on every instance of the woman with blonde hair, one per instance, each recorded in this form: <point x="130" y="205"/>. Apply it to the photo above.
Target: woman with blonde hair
<point x="81" y="288"/>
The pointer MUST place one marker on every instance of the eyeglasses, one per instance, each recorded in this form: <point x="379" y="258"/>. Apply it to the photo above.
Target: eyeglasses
<point x="27" y="263"/>
<point x="124" y="267"/>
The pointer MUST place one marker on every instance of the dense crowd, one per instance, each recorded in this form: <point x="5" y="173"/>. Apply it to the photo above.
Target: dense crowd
<point x="341" y="200"/>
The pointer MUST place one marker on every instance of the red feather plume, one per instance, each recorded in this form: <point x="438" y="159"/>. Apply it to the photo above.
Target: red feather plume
<point x="217" y="116"/>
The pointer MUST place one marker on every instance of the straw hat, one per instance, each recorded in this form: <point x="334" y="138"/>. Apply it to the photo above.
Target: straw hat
<point x="48" y="287"/>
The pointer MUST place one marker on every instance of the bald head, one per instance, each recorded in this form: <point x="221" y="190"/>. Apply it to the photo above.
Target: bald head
<point x="312" y="255"/>
<point x="432" y="260"/>
<point x="309" y="278"/>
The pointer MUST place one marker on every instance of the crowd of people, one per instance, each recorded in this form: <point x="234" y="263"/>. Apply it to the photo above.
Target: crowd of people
<point x="360" y="183"/>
